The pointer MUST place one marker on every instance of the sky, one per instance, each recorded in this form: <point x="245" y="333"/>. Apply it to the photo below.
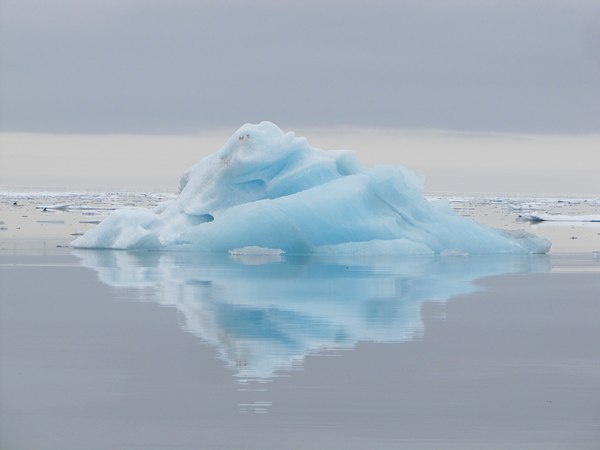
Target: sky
<point x="133" y="66"/>
<point x="174" y="68"/>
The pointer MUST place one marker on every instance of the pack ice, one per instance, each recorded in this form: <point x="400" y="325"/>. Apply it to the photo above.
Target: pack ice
<point x="271" y="190"/>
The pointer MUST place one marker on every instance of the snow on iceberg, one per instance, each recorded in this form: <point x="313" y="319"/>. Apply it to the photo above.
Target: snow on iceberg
<point x="270" y="189"/>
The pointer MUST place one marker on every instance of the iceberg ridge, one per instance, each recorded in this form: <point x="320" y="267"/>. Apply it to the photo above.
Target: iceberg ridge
<point x="270" y="189"/>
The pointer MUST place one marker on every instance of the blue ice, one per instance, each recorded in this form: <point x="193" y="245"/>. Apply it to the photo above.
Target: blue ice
<point x="271" y="190"/>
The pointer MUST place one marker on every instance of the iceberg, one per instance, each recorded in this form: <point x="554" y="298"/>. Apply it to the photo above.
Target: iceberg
<point x="270" y="189"/>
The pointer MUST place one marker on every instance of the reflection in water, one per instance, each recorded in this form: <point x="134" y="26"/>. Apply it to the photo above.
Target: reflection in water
<point x="266" y="314"/>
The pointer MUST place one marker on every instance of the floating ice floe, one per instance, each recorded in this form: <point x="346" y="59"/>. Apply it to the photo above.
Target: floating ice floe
<point x="560" y="218"/>
<point x="270" y="189"/>
<point x="256" y="255"/>
<point x="256" y="251"/>
<point x="69" y="207"/>
<point x="60" y="207"/>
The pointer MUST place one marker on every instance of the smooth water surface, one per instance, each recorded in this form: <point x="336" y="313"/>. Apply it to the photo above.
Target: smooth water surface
<point x="297" y="352"/>
<point x="265" y="313"/>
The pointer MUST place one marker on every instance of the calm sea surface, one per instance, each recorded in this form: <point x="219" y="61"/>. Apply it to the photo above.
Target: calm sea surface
<point x="118" y="350"/>
<point x="126" y="350"/>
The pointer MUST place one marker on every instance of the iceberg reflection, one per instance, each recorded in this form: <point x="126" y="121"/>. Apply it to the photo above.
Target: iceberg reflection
<point x="266" y="314"/>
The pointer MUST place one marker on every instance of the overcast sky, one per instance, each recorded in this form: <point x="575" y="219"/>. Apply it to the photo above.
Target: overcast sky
<point x="132" y="66"/>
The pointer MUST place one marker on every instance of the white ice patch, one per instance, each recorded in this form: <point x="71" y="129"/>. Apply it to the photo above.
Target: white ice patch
<point x="256" y="255"/>
<point x="253" y="250"/>
<point x="561" y="218"/>
<point x="270" y="189"/>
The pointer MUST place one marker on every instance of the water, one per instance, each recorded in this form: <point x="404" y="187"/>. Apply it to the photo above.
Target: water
<point x="126" y="350"/>
<point x="265" y="315"/>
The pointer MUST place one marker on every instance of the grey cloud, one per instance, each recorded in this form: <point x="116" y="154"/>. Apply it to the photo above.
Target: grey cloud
<point x="177" y="66"/>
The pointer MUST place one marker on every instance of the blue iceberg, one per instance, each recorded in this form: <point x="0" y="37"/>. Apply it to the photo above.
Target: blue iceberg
<point x="266" y="189"/>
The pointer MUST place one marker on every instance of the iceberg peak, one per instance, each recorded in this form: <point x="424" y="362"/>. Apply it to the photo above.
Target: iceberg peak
<point x="259" y="162"/>
<point x="270" y="189"/>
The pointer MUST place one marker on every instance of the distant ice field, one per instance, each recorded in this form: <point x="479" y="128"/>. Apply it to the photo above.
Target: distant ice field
<point x="69" y="214"/>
